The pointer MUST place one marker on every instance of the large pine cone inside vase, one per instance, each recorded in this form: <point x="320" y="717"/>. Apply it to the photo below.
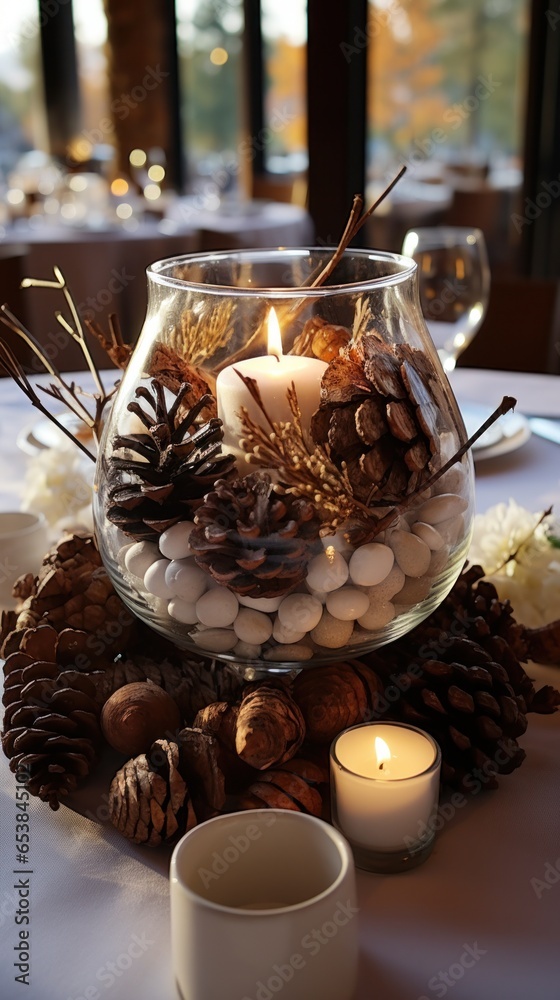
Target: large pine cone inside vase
<point x="253" y="540"/>
<point x="72" y="590"/>
<point x="379" y="414"/>
<point x="170" y="466"/>
<point x="51" y="728"/>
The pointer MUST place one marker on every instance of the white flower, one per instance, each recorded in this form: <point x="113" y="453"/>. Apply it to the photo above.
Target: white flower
<point x="514" y="548"/>
<point x="58" y="483"/>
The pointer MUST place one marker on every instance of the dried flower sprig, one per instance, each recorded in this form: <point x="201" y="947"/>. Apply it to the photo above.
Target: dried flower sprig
<point x="309" y="471"/>
<point x="201" y="335"/>
<point x="67" y="393"/>
<point x="304" y="470"/>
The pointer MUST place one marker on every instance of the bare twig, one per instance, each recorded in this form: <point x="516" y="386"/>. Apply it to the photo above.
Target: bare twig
<point x="13" y="367"/>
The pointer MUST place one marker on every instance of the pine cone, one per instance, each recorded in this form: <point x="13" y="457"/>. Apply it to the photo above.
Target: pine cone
<point x="73" y="590"/>
<point x="51" y="728"/>
<point x="192" y="684"/>
<point x="270" y="727"/>
<point x="334" y="697"/>
<point x="473" y="706"/>
<point x="220" y="720"/>
<point x="379" y="415"/>
<point x="149" y="800"/>
<point x="253" y="540"/>
<point x="156" y="797"/>
<point x="291" y="786"/>
<point x="179" y="460"/>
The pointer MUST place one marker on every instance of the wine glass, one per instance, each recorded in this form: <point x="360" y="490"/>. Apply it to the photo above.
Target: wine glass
<point x="454" y="284"/>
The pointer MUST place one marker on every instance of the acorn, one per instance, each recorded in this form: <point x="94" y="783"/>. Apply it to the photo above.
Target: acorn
<point x="136" y="715"/>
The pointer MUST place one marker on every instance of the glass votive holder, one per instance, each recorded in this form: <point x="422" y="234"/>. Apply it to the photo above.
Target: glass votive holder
<point x="385" y="790"/>
<point x="264" y="902"/>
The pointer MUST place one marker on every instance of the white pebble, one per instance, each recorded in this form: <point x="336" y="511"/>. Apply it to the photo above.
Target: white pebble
<point x="452" y="529"/>
<point x="327" y="571"/>
<point x="183" y="611"/>
<point x="371" y="563"/>
<point x="348" y="603"/>
<point x="139" y="557"/>
<point x="438" y="562"/>
<point x="252" y="626"/>
<point x="415" y="590"/>
<point x="429" y="535"/>
<point x="186" y="580"/>
<point x="217" y="608"/>
<point x="300" y="612"/>
<point x="441" y="508"/>
<point x="216" y="640"/>
<point x="267" y="604"/>
<point x="411" y="553"/>
<point x="332" y="632"/>
<point x="247" y="650"/>
<point x="121" y="554"/>
<point x="377" y="616"/>
<point x="288" y="654"/>
<point x="154" y="579"/>
<point x="385" y="591"/>
<point x="285" y="633"/>
<point x="174" y="543"/>
<point x="321" y="595"/>
<point x="454" y="480"/>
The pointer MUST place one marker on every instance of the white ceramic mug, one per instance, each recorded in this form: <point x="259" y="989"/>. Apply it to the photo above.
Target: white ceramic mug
<point x="263" y="903"/>
<point x="23" y="544"/>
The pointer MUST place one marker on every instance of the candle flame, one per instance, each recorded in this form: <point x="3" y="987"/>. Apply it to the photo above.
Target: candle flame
<point x="382" y="752"/>
<point x="274" y="335"/>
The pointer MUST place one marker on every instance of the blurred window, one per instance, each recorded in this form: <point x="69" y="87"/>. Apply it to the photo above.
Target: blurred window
<point x="90" y="30"/>
<point x="22" y="117"/>
<point x="209" y="37"/>
<point x="447" y="83"/>
<point x="284" y="28"/>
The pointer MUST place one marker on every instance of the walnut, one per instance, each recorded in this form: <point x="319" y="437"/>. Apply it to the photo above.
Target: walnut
<point x="138" y="714"/>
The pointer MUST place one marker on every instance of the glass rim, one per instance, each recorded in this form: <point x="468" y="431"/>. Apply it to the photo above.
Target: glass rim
<point x="330" y="832"/>
<point x="156" y="275"/>
<point x="400" y="725"/>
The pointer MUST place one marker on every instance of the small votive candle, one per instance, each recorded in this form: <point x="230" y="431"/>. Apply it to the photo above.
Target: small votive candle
<point x="385" y="788"/>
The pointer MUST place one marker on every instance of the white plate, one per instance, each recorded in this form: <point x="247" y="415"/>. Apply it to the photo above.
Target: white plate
<point x="44" y="434"/>
<point x="510" y="432"/>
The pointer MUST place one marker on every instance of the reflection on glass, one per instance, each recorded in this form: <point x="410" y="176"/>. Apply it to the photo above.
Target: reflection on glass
<point x="454" y="284"/>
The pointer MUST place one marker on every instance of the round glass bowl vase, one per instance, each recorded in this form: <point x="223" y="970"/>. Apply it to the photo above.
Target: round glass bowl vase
<point x="267" y="486"/>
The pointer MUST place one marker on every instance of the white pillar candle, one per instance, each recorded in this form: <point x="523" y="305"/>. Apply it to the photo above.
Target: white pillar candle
<point x="274" y="374"/>
<point x="385" y="782"/>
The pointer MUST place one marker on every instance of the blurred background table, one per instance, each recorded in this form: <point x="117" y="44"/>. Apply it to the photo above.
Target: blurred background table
<point x="105" y="268"/>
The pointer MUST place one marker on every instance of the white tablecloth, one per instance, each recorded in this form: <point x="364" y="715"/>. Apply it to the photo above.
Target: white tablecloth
<point x="99" y="906"/>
